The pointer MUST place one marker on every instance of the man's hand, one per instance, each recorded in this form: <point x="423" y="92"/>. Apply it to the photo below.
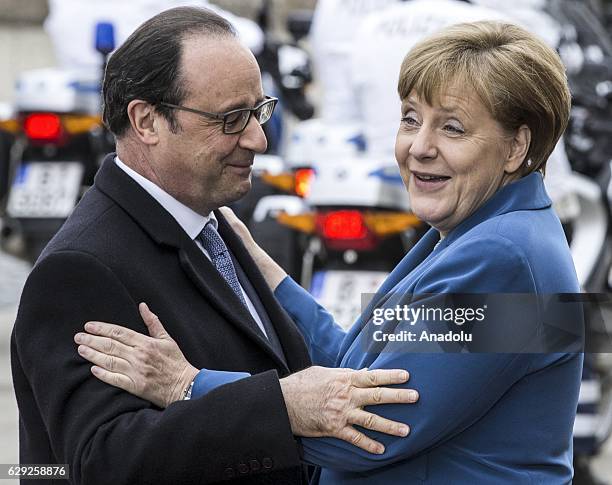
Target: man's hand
<point x="153" y="368"/>
<point x="328" y="402"/>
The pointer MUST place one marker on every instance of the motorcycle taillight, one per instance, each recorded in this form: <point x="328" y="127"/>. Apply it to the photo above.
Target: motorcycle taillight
<point x="303" y="181"/>
<point x="43" y="127"/>
<point x="297" y="182"/>
<point x="345" y="229"/>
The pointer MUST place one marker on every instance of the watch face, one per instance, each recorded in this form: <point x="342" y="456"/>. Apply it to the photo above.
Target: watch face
<point x="187" y="392"/>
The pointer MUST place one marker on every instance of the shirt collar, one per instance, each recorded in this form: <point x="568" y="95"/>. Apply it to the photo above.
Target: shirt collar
<point x="191" y="222"/>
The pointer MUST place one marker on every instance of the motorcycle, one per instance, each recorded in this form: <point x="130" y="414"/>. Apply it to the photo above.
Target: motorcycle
<point x="58" y="145"/>
<point x="587" y="49"/>
<point x="57" y="139"/>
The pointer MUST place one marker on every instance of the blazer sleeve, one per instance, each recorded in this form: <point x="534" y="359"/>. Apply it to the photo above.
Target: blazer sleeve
<point x="206" y="380"/>
<point x="322" y="334"/>
<point x="110" y="436"/>
<point x="456" y="389"/>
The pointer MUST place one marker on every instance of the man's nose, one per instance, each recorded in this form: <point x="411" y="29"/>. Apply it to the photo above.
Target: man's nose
<point x="423" y="145"/>
<point x="253" y="137"/>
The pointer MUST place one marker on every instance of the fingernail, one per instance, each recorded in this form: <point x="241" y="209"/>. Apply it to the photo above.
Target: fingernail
<point x="82" y="350"/>
<point x="404" y="430"/>
<point x="380" y="449"/>
<point x="78" y="338"/>
<point x="95" y="370"/>
<point x="414" y="396"/>
<point x="91" y="327"/>
<point x="403" y="375"/>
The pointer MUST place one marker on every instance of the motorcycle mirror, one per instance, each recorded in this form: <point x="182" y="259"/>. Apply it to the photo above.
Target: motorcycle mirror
<point x="105" y="38"/>
<point x="298" y="23"/>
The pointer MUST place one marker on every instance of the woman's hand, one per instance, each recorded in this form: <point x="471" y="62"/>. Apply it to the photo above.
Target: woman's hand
<point x="239" y="227"/>
<point x="271" y="271"/>
<point x="152" y="368"/>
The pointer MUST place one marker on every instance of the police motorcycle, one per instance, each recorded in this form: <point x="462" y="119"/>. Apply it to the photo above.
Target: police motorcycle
<point x="339" y="227"/>
<point x="59" y="142"/>
<point x="589" y="232"/>
<point x="586" y="49"/>
<point x="587" y="220"/>
<point x="56" y="138"/>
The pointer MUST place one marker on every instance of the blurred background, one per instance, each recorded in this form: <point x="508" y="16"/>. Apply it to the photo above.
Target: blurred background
<point x="327" y="200"/>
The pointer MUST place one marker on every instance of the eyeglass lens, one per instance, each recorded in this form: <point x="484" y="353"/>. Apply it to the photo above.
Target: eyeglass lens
<point x="237" y="121"/>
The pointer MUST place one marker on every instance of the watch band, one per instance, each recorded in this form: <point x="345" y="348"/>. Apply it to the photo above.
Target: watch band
<point x="187" y="391"/>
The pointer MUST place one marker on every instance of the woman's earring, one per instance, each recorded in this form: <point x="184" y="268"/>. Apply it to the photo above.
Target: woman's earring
<point x="529" y="162"/>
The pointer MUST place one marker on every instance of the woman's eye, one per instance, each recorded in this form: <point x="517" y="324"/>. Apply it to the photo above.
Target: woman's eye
<point x="454" y="128"/>
<point x="410" y="119"/>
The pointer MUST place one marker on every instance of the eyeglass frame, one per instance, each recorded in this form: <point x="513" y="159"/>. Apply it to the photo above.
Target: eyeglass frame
<point x="221" y="117"/>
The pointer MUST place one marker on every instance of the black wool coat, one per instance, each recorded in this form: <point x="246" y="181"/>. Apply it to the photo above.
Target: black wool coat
<point x="119" y="248"/>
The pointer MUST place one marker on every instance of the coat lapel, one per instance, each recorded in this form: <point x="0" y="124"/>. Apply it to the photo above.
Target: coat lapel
<point x="216" y="290"/>
<point x="291" y="340"/>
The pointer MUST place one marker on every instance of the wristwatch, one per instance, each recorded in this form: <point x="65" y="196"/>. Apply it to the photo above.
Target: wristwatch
<point x="187" y="391"/>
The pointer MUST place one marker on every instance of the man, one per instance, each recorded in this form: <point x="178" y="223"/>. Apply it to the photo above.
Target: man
<point x="146" y="232"/>
<point x="335" y="24"/>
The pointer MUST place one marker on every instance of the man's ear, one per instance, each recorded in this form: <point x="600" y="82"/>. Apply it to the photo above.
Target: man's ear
<point x="142" y="119"/>
<point x="521" y="141"/>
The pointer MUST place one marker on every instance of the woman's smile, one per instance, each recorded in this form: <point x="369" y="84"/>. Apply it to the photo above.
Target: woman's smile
<point x="429" y="182"/>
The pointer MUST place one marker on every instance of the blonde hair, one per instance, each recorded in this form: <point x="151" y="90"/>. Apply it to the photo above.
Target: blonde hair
<point x="518" y="78"/>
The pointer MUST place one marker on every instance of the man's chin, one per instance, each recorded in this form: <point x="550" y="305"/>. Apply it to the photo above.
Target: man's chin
<point x="238" y="191"/>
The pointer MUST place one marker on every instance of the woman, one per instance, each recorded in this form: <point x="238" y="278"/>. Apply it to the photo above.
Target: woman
<point x="483" y="105"/>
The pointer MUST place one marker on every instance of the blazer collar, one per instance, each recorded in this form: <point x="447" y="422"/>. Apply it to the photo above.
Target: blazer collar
<point x="527" y="193"/>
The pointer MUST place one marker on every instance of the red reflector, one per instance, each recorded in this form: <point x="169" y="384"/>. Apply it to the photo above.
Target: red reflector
<point x="345" y="224"/>
<point x="43" y="127"/>
<point x="303" y="180"/>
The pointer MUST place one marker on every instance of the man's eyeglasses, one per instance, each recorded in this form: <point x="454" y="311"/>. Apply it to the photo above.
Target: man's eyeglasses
<point x="236" y="120"/>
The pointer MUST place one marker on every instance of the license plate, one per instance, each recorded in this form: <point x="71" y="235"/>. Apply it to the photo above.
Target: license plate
<point x="45" y="190"/>
<point x="340" y="292"/>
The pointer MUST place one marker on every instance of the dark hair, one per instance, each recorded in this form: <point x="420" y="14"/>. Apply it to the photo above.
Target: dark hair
<point x="147" y="65"/>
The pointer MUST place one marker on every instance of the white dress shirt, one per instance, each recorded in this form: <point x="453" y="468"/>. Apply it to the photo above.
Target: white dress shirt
<point x="191" y="222"/>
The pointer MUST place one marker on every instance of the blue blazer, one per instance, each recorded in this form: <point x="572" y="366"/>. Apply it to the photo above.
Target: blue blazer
<point x="481" y="418"/>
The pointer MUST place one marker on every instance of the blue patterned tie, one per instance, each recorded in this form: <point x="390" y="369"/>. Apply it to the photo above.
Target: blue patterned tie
<point x="220" y="257"/>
